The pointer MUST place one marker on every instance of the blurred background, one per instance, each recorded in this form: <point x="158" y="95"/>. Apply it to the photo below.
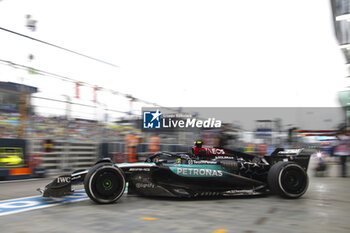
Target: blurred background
<point x="74" y="77"/>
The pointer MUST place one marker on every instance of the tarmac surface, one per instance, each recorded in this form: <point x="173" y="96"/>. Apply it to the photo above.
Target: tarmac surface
<point x="324" y="208"/>
<point x="22" y="188"/>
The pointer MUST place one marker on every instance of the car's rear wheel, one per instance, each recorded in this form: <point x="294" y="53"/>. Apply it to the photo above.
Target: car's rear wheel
<point x="104" y="183"/>
<point x="288" y="179"/>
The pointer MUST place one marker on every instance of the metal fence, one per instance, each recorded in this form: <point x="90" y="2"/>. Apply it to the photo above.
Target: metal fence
<point x="72" y="155"/>
<point x="66" y="155"/>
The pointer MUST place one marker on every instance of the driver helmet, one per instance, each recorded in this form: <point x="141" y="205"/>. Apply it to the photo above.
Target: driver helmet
<point x="198" y="143"/>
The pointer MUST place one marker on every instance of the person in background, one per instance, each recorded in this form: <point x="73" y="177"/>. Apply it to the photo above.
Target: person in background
<point x="262" y="150"/>
<point x="153" y="145"/>
<point x="342" y="149"/>
<point x="131" y="142"/>
<point x="223" y="137"/>
<point x="249" y="148"/>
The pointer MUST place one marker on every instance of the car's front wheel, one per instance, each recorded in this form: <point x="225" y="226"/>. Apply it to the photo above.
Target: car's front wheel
<point x="104" y="183"/>
<point x="288" y="179"/>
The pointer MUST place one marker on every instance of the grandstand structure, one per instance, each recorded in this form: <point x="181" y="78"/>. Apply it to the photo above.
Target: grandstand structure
<point x="15" y="105"/>
<point x="10" y="94"/>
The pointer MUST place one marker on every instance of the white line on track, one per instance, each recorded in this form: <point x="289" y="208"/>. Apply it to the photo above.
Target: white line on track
<point x="23" y="204"/>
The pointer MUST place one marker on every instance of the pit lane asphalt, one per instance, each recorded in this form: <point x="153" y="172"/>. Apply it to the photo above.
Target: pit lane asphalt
<point x="324" y="208"/>
<point x="22" y="188"/>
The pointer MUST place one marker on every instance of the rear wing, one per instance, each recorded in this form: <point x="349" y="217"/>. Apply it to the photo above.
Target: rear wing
<point x="297" y="155"/>
<point x="290" y="152"/>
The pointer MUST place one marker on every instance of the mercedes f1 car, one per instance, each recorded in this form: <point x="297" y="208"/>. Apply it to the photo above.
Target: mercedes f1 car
<point x="205" y="171"/>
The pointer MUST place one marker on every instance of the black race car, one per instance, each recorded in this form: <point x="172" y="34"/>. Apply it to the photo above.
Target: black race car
<point x="206" y="171"/>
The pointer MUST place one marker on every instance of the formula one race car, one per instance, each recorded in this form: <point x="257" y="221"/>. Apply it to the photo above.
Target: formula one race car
<point x="206" y="171"/>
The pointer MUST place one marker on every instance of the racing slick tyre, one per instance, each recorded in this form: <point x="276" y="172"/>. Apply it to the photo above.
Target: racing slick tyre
<point x="287" y="179"/>
<point x="104" y="183"/>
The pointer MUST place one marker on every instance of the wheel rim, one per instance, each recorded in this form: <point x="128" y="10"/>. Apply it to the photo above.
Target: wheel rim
<point x="107" y="184"/>
<point x="293" y="180"/>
